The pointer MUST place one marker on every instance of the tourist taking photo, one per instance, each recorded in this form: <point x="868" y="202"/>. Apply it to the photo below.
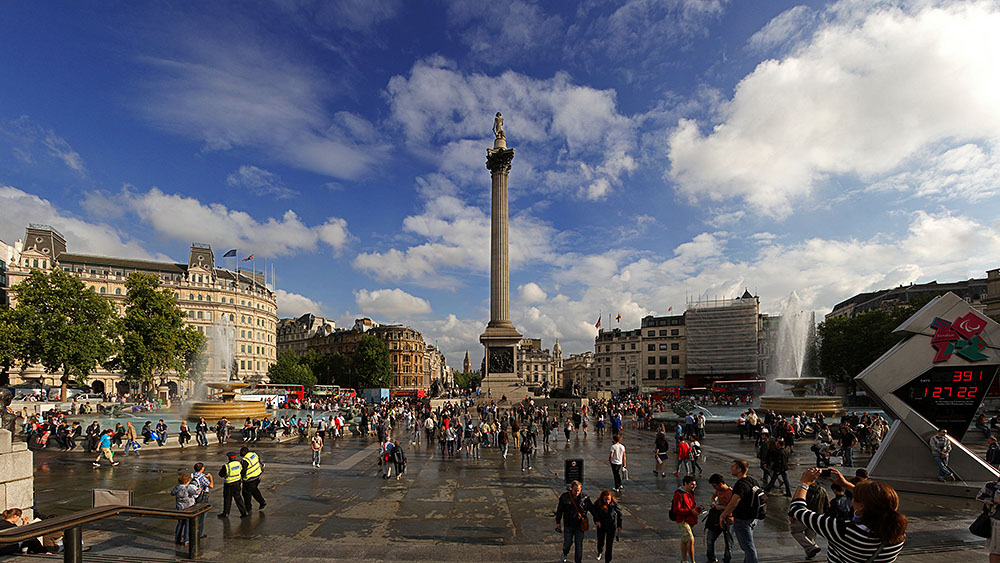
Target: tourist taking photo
<point x="875" y="535"/>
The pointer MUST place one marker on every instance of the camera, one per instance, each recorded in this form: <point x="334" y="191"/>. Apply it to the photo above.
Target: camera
<point x="825" y="474"/>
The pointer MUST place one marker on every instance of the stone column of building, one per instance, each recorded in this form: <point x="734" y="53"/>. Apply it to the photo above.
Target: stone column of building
<point x="500" y="338"/>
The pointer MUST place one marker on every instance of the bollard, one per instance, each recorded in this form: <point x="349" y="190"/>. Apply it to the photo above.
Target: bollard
<point x="73" y="545"/>
<point x="194" y="537"/>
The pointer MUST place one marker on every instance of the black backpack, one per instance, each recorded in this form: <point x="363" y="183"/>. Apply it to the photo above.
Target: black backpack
<point x="758" y="500"/>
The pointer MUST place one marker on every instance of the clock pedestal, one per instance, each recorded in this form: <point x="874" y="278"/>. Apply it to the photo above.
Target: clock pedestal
<point x="935" y="378"/>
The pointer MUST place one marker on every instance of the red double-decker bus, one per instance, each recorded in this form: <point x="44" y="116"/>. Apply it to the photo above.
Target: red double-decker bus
<point x="276" y="394"/>
<point x="753" y="387"/>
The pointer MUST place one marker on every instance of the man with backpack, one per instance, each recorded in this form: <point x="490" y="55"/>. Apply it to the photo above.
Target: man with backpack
<point x="747" y="506"/>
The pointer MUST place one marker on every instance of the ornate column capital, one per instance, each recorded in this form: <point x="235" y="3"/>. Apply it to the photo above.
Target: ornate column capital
<point x="499" y="160"/>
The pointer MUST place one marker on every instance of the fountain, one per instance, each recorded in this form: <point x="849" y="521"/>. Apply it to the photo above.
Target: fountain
<point x="794" y="331"/>
<point x="221" y="374"/>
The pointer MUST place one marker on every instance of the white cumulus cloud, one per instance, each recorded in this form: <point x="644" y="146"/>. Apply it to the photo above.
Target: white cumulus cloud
<point x="863" y="98"/>
<point x="392" y="304"/>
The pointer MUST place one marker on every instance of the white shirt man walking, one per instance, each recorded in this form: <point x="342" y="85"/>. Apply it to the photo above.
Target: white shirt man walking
<point x="617" y="460"/>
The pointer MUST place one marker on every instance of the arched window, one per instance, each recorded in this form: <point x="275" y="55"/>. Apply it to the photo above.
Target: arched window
<point x="190" y="297"/>
<point x="118" y="291"/>
<point x="102" y="291"/>
<point x="201" y="315"/>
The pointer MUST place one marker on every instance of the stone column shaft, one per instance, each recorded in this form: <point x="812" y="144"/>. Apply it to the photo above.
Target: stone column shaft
<point x="498" y="161"/>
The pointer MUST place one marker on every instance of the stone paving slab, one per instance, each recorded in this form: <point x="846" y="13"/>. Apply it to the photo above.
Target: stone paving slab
<point x="442" y="509"/>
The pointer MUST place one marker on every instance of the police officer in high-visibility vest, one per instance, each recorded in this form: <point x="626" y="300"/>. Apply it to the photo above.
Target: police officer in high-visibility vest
<point x="252" y="468"/>
<point x="232" y="472"/>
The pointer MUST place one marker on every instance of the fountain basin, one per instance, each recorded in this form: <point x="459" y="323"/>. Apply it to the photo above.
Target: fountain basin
<point x="228" y="406"/>
<point x="784" y="404"/>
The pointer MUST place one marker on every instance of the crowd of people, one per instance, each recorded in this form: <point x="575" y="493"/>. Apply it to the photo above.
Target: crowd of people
<point x="860" y="517"/>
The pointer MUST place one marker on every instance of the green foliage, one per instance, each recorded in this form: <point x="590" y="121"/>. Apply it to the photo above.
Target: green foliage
<point x="372" y="367"/>
<point x="467" y="380"/>
<point x="292" y="370"/>
<point x="329" y="369"/>
<point x="155" y="339"/>
<point x="61" y="324"/>
<point x="10" y="341"/>
<point x="848" y="345"/>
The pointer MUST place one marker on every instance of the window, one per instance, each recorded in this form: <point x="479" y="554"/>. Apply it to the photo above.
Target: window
<point x="651" y="333"/>
<point x="675" y="331"/>
<point x="663" y="346"/>
<point x="663" y="374"/>
<point x="243" y="333"/>
<point x="675" y="359"/>
<point x="607" y="348"/>
<point x="243" y="364"/>
<point x="650" y="374"/>
<point x="243" y="348"/>
<point x="118" y="291"/>
<point x="663" y="359"/>
<point x="651" y="360"/>
<point x="190" y="297"/>
<point x="651" y="347"/>
<point x="675" y="346"/>
<point x="200" y="297"/>
<point x="633" y="346"/>
<point x="663" y="333"/>
<point x="232" y="318"/>
<point x="34" y="263"/>
<point x="201" y="315"/>
<point x="607" y="372"/>
<point x="623" y="346"/>
<point x="102" y="291"/>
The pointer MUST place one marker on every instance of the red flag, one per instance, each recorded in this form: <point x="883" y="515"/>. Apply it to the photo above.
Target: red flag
<point x="248" y="258"/>
<point x="670" y="309"/>
<point x="598" y="325"/>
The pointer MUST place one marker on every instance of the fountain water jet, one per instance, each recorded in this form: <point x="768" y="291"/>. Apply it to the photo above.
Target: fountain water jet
<point x="794" y="331"/>
<point x="221" y="374"/>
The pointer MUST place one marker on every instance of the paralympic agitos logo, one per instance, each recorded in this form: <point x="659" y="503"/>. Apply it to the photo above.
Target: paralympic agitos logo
<point x="961" y="336"/>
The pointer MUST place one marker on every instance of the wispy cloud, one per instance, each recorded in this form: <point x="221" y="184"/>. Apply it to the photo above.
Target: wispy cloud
<point x="390" y="303"/>
<point x="28" y="139"/>
<point x="230" y="90"/>
<point x="260" y="182"/>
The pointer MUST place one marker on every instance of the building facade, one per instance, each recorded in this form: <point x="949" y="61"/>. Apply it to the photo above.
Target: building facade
<point x="295" y="334"/>
<point x="663" y="354"/>
<point x="723" y="340"/>
<point x="406" y="350"/>
<point x="975" y="291"/>
<point x="617" y="356"/>
<point x="578" y="371"/>
<point x="537" y="366"/>
<point x="233" y="309"/>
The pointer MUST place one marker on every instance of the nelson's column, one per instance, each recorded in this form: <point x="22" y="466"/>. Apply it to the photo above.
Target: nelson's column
<point x="500" y="338"/>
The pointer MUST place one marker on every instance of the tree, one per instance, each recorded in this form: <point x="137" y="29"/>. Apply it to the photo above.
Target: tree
<point x="61" y="324"/>
<point x="467" y="380"/>
<point x="849" y="345"/>
<point x="372" y="367"/>
<point x="155" y="339"/>
<point x="10" y="341"/>
<point x="291" y="369"/>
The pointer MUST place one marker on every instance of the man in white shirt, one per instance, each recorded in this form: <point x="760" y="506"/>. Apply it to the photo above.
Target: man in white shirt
<point x="617" y="460"/>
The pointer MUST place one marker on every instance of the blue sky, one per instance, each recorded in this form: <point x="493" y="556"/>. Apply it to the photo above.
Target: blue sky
<point x="666" y="150"/>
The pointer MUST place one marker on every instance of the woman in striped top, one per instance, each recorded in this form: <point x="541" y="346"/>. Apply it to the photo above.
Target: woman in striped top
<point x="876" y="534"/>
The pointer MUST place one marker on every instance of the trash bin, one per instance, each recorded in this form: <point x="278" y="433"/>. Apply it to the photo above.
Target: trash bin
<point x="574" y="470"/>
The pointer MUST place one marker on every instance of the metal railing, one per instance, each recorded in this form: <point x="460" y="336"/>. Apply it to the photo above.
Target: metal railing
<point x="72" y="527"/>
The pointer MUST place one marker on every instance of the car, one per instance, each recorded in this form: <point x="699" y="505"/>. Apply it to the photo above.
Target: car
<point x="84" y="396"/>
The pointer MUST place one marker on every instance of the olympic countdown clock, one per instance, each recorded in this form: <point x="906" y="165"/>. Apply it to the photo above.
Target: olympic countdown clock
<point x="948" y="397"/>
<point x="936" y="377"/>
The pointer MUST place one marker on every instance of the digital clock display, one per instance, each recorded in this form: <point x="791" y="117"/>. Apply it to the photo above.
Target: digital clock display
<point x="949" y="396"/>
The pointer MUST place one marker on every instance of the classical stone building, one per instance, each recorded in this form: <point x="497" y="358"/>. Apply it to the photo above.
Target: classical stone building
<point x="215" y="300"/>
<point x="617" y="355"/>
<point x="538" y="367"/>
<point x="664" y="352"/>
<point x="991" y="302"/>
<point x="975" y="291"/>
<point x="406" y="350"/>
<point x="578" y="370"/>
<point x="295" y="334"/>
<point x="436" y="367"/>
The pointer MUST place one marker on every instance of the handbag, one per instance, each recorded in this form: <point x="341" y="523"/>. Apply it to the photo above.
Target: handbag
<point x="982" y="526"/>
<point x="584" y="522"/>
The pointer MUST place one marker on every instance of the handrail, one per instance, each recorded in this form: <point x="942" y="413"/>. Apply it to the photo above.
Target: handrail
<point x="72" y="524"/>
